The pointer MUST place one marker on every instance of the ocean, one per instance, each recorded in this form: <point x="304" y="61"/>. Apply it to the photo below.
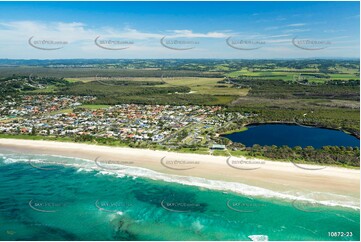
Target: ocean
<point x="46" y="197"/>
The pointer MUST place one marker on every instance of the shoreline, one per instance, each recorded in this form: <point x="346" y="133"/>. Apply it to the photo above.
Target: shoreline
<point x="289" y="123"/>
<point x="283" y="177"/>
<point x="125" y="145"/>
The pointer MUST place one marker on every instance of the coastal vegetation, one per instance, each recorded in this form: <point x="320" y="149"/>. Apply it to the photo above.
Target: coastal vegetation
<point x="321" y="93"/>
<point x="327" y="155"/>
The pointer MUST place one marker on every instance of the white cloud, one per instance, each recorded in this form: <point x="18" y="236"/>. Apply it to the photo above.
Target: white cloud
<point x="15" y="36"/>
<point x="296" y="25"/>
<point x="296" y="30"/>
<point x="189" y="34"/>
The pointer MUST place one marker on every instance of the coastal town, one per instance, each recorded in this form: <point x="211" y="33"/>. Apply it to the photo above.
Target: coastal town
<point x="67" y="116"/>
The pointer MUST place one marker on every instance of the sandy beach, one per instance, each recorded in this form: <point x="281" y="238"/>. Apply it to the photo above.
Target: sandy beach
<point x="283" y="177"/>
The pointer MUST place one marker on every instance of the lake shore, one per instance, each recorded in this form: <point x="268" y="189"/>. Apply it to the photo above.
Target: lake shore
<point x="353" y="133"/>
<point x="283" y="177"/>
<point x="292" y="135"/>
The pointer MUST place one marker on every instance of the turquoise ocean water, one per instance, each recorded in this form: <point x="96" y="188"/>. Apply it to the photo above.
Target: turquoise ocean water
<point x="58" y="198"/>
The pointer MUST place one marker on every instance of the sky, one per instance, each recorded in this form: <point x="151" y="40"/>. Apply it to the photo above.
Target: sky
<point x="146" y="30"/>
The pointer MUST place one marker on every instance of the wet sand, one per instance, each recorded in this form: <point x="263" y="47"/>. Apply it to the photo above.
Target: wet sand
<point x="277" y="176"/>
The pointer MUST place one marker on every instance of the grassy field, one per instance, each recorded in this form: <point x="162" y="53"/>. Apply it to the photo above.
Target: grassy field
<point x="271" y="91"/>
<point x="105" y="78"/>
<point x="93" y="106"/>
<point x="206" y="86"/>
<point x="270" y="88"/>
<point x="236" y="131"/>
<point x="199" y="85"/>
<point x="290" y="74"/>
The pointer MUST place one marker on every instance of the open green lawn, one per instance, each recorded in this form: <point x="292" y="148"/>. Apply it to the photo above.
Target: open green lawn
<point x="48" y="89"/>
<point x="289" y="75"/>
<point x="200" y="85"/>
<point x="93" y="106"/>
<point x="104" y="78"/>
<point x="345" y="76"/>
<point x="68" y="110"/>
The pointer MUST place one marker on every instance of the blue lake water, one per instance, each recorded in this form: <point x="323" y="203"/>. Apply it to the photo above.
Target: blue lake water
<point x="292" y="135"/>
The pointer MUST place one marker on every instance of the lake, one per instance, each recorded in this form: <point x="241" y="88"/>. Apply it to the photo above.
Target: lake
<point x="292" y="135"/>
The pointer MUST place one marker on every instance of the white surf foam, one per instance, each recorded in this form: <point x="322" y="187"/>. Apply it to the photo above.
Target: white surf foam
<point x="84" y="165"/>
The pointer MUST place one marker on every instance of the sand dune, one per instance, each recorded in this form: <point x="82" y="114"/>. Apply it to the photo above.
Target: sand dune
<point x="278" y="176"/>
